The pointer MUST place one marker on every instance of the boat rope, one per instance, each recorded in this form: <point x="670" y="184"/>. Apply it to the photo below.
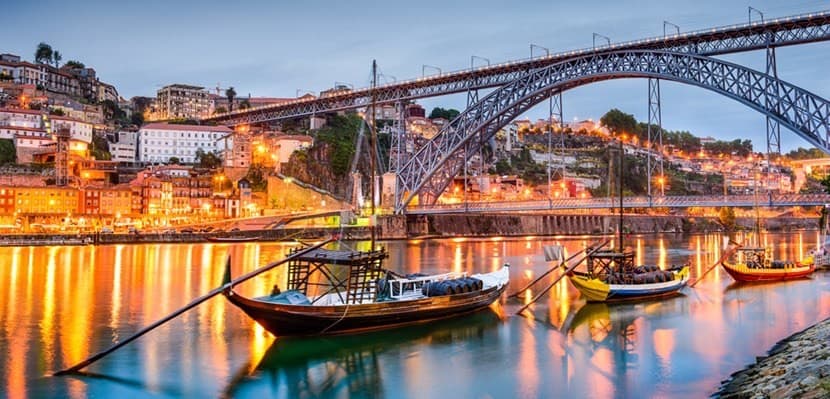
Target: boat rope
<point x="336" y="322"/>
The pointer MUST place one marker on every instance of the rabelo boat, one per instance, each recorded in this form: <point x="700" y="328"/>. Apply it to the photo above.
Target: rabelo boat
<point x="337" y="291"/>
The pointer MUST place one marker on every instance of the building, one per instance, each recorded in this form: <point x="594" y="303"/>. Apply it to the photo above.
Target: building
<point x="158" y="142"/>
<point x="105" y="201"/>
<point x="48" y="200"/>
<point x="282" y="146"/>
<point x="21" y="118"/>
<point x="123" y="146"/>
<point x="180" y="101"/>
<point x="68" y="80"/>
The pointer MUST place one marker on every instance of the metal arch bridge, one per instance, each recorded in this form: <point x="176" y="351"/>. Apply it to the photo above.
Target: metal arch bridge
<point x="780" y="200"/>
<point x="779" y="32"/>
<point x="431" y="169"/>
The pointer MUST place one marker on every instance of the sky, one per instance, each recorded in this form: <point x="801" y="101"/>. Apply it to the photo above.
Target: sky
<point x="280" y="48"/>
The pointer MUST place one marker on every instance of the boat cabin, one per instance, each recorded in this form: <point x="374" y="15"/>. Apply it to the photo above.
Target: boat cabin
<point x="327" y="277"/>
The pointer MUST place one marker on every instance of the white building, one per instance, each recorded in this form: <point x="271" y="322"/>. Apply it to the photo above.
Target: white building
<point x="21" y="118"/>
<point x="78" y="129"/>
<point x="124" y="146"/>
<point x="158" y="142"/>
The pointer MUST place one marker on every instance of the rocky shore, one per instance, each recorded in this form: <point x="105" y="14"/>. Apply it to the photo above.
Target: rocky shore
<point x="796" y="367"/>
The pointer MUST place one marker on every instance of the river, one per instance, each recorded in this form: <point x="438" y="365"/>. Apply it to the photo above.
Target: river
<point x="59" y="305"/>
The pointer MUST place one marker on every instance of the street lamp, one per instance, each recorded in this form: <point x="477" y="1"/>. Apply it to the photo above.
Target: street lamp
<point x="749" y="14"/>
<point x="424" y="68"/>
<point x="474" y="57"/>
<point x="596" y="35"/>
<point x="670" y="24"/>
<point x="547" y="50"/>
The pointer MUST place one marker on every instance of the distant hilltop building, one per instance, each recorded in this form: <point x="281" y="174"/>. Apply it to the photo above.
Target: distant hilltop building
<point x="71" y="80"/>
<point x="181" y="101"/>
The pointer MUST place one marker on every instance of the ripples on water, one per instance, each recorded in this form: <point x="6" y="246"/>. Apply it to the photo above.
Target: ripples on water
<point x="61" y="304"/>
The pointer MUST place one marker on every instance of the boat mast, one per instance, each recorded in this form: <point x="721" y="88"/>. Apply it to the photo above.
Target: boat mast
<point x="372" y="154"/>
<point x="620" y="190"/>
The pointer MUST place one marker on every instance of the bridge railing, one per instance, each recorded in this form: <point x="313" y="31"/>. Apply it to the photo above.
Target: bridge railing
<point x="761" y="200"/>
<point x="638" y="43"/>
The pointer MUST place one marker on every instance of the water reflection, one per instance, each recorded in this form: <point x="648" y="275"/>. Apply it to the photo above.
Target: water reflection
<point x="60" y="304"/>
<point x="337" y="366"/>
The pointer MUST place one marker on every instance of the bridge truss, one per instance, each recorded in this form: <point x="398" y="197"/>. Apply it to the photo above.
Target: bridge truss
<point x="806" y="28"/>
<point x="429" y="171"/>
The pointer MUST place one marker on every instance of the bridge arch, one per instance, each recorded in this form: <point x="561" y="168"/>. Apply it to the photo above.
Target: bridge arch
<point x="430" y="170"/>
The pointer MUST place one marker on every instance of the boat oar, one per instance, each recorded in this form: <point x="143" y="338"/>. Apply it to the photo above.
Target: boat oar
<point x="726" y="252"/>
<point x="565" y="273"/>
<point x="517" y="293"/>
<point x="192" y="304"/>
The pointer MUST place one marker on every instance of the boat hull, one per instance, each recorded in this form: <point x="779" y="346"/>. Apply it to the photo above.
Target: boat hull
<point x="300" y="320"/>
<point x="741" y="272"/>
<point x="595" y="290"/>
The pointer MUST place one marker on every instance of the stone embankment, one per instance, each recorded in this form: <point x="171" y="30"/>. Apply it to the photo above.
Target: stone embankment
<point x="560" y="224"/>
<point x="397" y="227"/>
<point x="797" y="367"/>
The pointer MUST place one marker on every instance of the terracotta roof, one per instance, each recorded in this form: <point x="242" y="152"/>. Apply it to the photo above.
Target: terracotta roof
<point x="22" y="111"/>
<point x="66" y="118"/>
<point x="22" y="136"/>
<point x="24" y="129"/>
<point x="186" y="128"/>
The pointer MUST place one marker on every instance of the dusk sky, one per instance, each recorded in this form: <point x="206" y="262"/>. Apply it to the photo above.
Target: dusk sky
<point x="274" y="48"/>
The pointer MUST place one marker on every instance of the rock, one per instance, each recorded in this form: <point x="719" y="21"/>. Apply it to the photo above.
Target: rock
<point x="808" y="381"/>
<point x="780" y="393"/>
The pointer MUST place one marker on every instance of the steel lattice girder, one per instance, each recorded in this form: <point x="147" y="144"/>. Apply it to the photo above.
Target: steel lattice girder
<point x="431" y="169"/>
<point x="738" y="38"/>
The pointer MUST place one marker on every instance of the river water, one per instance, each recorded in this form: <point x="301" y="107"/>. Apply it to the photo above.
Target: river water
<point x="58" y="305"/>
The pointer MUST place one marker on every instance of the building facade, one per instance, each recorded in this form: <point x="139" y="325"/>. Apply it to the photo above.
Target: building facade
<point x="158" y="142"/>
<point x="183" y="101"/>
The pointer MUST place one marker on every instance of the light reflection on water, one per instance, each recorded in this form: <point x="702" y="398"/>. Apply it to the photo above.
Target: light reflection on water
<point x="61" y="304"/>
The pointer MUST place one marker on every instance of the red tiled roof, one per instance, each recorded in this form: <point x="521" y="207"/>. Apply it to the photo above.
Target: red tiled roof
<point x="22" y="111"/>
<point x="22" y="136"/>
<point x="186" y="128"/>
<point x="24" y="129"/>
<point x="66" y="118"/>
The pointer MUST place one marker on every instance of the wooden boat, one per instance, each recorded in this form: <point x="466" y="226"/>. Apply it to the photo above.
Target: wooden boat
<point x="756" y="264"/>
<point x="335" y="292"/>
<point x="612" y="277"/>
<point x="232" y="239"/>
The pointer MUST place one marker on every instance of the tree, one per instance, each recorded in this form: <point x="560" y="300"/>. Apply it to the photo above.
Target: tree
<point x="208" y="159"/>
<point x="112" y="111"/>
<point x="43" y="53"/>
<point x="100" y="148"/>
<point x="220" y="110"/>
<point x="174" y="161"/>
<point x="7" y="153"/>
<point x="619" y="122"/>
<point x="74" y="64"/>
<point x="245" y="104"/>
<point x="56" y="112"/>
<point x="137" y="118"/>
<point x="57" y="57"/>
<point x="448" y="114"/>
<point x="230" y="93"/>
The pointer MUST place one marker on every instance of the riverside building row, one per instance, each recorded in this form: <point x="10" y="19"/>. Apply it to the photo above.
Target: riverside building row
<point x="163" y="192"/>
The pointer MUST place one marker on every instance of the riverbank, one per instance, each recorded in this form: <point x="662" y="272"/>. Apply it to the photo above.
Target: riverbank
<point x="796" y="367"/>
<point x="402" y="227"/>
